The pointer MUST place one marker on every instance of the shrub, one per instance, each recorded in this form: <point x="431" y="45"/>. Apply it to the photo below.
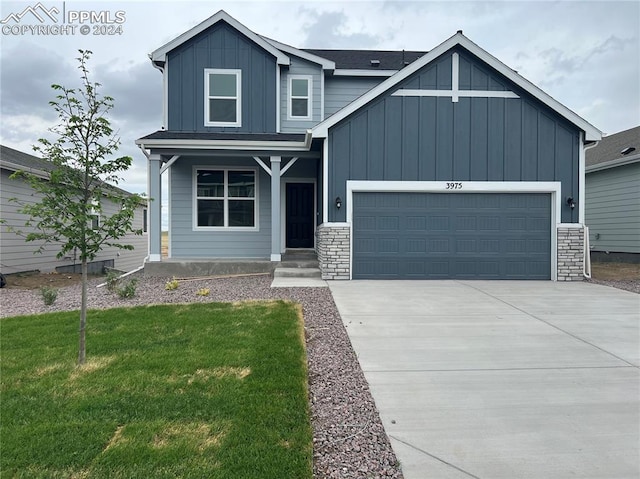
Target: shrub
<point x="128" y="290"/>
<point x="112" y="280"/>
<point x="49" y="295"/>
<point x="203" y="292"/>
<point x="171" y="285"/>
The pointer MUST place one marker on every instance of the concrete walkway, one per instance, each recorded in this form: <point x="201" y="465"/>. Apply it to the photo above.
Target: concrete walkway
<point x="503" y="379"/>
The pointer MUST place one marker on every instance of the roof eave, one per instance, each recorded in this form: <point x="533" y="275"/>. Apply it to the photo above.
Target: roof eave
<point x="605" y="165"/>
<point x="247" y="145"/>
<point x="591" y="132"/>
<point x="160" y="54"/>
<point x="327" y="65"/>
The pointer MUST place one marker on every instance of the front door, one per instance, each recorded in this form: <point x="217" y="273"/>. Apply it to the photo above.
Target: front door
<point x="300" y="215"/>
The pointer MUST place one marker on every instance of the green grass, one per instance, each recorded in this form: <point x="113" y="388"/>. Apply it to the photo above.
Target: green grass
<point x="199" y="391"/>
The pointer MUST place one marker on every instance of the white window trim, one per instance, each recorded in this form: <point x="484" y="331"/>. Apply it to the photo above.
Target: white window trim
<point x="226" y="170"/>
<point x="309" y="97"/>
<point x="95" y="213"/>
<point x="238" y="98"/>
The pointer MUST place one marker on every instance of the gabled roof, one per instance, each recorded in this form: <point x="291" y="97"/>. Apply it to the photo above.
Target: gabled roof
<point x="366" y="59"/>
<point x="15" y="160"/>
<point x="305" y="54"/>
<point x="159" y="56"/>
<point x="591" y="132"/>
<point x="614" y="150"/>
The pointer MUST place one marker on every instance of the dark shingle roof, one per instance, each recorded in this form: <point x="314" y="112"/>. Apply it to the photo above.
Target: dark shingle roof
<point x="361" y="59"/>
<point x="182" y="135"/>
<point x="24" y="160"/>
<point x="610" y="147"/>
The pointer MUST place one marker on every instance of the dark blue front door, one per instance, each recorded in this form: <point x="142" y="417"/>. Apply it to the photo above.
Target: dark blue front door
<point x="300" y="215"/>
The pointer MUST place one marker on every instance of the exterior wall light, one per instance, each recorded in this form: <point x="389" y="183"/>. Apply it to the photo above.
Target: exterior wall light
<point x="338" y="202"/>
<point x="570" y="202"/>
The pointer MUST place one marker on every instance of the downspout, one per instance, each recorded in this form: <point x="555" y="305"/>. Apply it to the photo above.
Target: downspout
<point x="146" y="258"/>
<point x="586" y="255"/>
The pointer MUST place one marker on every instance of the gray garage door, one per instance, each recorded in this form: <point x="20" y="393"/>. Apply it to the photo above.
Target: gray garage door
<point x="451" y="235"/>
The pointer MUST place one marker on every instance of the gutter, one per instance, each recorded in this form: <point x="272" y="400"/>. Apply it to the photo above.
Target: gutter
<point x="612" y="163"/>
<point x="586" y="253"/>
<point x="245" y="145"/>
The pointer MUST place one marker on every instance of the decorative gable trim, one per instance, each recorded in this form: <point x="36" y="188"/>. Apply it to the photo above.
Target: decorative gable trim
<point x="591" y="132"/>
<point x="160" y="55"/>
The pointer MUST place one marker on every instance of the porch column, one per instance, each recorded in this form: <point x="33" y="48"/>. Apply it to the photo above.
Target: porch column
<point x="155" y="208"/>
<point x="275" y="208"/>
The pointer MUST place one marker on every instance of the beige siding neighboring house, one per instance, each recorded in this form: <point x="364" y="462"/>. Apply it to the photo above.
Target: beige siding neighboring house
<point x="17" y="255"/>
<point x="612" y="198"/>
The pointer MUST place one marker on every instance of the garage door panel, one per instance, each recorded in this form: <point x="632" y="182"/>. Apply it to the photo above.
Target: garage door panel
<point x="435" y="235"/>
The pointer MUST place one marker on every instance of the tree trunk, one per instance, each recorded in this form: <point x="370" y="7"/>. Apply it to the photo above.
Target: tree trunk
<point x="82" y="350"/>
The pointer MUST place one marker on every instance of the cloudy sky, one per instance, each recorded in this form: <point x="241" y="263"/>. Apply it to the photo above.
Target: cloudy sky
<point x="586" y="54"/>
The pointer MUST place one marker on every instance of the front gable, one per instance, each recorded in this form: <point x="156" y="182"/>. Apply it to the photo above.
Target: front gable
<point x="220" y="48"/>
<point x="455" y="119"/>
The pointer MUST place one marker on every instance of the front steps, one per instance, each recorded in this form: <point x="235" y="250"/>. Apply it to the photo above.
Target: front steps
<point x="298" y="263"/>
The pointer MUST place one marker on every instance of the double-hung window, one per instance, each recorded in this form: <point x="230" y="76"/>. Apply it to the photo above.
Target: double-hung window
<point x="225" y="198"/>
<point x="300" y="104"/>
<point x="223" y="98"/>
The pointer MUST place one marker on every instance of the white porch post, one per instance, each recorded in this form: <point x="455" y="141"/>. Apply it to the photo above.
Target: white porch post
<point x="155" y="208"/>
<point x="275" y="208"/>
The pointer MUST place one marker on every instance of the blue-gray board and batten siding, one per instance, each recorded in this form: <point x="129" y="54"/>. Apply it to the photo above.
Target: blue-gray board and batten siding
<point x="221" y="46"/>
<point x="451" y="236"/>
<point x="474" y="139"/>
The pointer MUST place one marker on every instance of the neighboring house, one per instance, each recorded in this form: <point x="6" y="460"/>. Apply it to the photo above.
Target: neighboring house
<point x="18" y="255"/>
<point x="613" y="197"/>
<point x="446" y="164"/>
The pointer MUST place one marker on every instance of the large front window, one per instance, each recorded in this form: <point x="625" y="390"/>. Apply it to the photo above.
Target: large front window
<point x="222" y="90"/>
<point x="225" y="198"/>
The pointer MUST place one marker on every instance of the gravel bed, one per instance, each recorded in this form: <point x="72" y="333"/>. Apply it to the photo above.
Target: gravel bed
<point x="632" y="285"/>
<point x="349" y="440"/>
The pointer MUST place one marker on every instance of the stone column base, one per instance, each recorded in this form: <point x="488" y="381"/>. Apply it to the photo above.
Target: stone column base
<point x="570" y="253"/>
<point x="333" y="246"/>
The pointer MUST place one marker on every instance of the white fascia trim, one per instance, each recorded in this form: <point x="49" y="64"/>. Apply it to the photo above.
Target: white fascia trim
<point x="323" y="62"/>
<point x="592" y="133"/>
<point x="160" y="55"/>
<point x="231" y="144"/>
<point x="552" y="187"/>
<point x="612" y="164"/>
<point x="345" y="72"/>
<point x="8" y="165"/>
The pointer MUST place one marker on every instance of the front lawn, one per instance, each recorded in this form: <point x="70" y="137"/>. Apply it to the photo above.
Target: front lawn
<point x="201" y="390"/>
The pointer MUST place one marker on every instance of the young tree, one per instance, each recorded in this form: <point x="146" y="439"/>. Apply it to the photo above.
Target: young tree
<point x="79" y="184"/>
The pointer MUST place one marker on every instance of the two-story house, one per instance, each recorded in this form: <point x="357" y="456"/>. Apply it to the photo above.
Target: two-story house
<point x="389" y="164"/>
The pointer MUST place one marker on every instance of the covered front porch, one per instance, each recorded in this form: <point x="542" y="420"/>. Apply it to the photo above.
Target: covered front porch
<point x="231" y="208"/>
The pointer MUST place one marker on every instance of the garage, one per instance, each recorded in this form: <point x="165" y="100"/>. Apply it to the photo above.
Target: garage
<point x="412" y="235"/>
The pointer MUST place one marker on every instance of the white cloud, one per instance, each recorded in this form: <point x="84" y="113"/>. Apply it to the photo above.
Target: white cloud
<point x="586" y="55"/>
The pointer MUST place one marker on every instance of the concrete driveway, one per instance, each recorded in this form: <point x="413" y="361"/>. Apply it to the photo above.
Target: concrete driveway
<point x="501" y="379"/>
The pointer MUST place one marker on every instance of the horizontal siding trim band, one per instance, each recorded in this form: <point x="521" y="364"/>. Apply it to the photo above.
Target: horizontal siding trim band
<point x="459" y="93"/>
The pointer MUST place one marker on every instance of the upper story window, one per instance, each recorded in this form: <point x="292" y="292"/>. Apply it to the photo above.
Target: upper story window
<point x="300" y="97"/>
<point x="223" y="99"/>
